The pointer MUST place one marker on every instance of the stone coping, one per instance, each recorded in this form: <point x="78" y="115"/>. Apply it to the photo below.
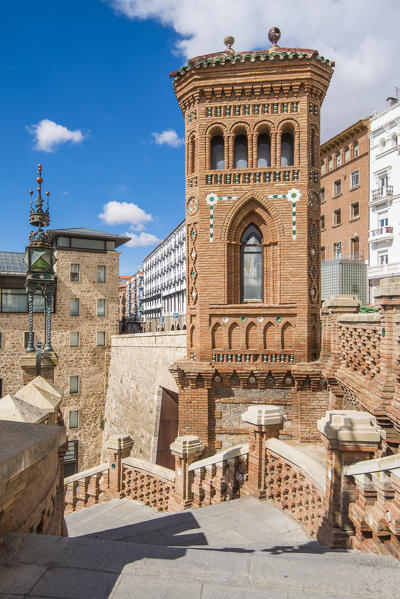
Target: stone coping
<point x="307" y="463"/>
<point x="85" y="474"/>
<point x="176" y="338"/>
<point x="149" y="468"/>
<point x="390" y="462"/>
<point x="14" y="409"/>
<point x="23" y="444"/>
<point x="341" y="301"/>
<point x="360" y="317"/>
<point x="153" y="334"/>
<point x="231" y="452"/>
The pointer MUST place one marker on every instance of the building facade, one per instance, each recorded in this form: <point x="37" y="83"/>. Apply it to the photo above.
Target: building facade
<point x="385" y="196"/>
<point x="164" y="300"/>
<point x="131" y="293"/>
<point x="345" y="194"/>
<point x="252" y="123"/>
<point x="85" y="316"/>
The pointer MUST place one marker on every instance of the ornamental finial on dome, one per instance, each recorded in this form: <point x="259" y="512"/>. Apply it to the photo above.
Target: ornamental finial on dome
<point x="229" y="41"/>
<point x="274" y="35"/>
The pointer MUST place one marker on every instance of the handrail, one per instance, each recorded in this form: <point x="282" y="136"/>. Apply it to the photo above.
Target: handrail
<point x="232" y="452"/>
<point x="391" y="462"/>
<point x="309" y="465"/>
<point x="85" y="473"/>
<point x="150" y="468"/>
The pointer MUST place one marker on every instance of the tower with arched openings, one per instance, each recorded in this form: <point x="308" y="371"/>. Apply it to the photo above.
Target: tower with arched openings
<point x="252" y="122"/>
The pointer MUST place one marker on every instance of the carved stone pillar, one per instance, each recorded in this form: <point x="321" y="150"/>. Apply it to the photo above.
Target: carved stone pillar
<point x="118" y="448"/>
<point x="186" y="449"/>
<point x="265" y="423"/>
<point x="349" y="436"/>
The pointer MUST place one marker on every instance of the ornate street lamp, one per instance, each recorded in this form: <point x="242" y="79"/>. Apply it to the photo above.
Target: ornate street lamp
<point x="39" y="260"/>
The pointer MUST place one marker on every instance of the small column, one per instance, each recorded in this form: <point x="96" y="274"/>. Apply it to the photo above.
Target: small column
<point x="387" y="296"/>
<point x="186" y="449"/>
<point x="250" y="150"/>
<point x="349" y="437"/>
<point x="30" y="346"/>
<point x="278" y="147"/>
<point x="265" y="423"/>
<point x="118" y="447"/>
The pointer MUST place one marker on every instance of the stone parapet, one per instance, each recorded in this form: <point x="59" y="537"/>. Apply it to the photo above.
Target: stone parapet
<point x="350" y="426"/>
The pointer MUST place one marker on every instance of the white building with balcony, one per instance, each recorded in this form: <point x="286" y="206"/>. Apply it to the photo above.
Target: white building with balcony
<point x="384" y="202"/>
<point x="164" y="301"/>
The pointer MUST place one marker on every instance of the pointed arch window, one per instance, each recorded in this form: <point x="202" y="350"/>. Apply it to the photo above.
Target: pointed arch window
<point x="252" y="265"/>
<point x="217" y="152"/>
<point x="241" y="153"/>
<point x="263" y="151"/>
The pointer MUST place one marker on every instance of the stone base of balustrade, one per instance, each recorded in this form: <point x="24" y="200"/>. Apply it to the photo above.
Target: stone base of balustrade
<point x="176" y="504"/>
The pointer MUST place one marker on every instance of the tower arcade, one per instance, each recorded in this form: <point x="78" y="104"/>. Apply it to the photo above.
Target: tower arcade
<point x="252" y="122"/>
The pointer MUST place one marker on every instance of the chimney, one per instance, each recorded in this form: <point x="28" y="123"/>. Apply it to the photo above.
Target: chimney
<point x="390" y="101"/>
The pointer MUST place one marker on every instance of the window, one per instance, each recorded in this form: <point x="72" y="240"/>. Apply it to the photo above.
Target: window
<point x="337" y="250"/>
<point x="26" y="339"/>
<point x="322" y="222"/>
<point x="322" y="195"/>
<point x="337" y="217"/>
<point x="355" y="210"/>
<point x="217" y="152"/>
<point x="347" y="154"/>
<point x="383" y="222"/>
<point x="252" y="265"/>
<point x="337" y="188"/>
<point x="383" y="259"/>
<point x="338" y="159"/>
<point x="330" y="163"/>
<point x="101" y="338"/>
<point x="287" y="149"/>
<point x="394" y="140"/>
<point x="240" y="152"/>
<point x="101" y="274"/>
<point x="101" y="307"/>
<point x="73" y="339"/>
<point x="73" y="419"/>
<point x="263" y="151"/>
<point x="323" y="253"/>
<point x="355" y="248"/>
<point x="74" y="384"/>
<point x="355" y="180"/>
<point x="71" y="459"/>
<point x="74" y="306"/>
<point x="383" y="182"/>
<point x="323" y="168"/>
<point x="74" y="273"/>
<point x="356" y="149"/>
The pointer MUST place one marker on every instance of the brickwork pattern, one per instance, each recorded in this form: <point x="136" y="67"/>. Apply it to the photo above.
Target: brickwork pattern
<point x="292" y="490"/>
<point x="219" y="482"/>
<point x="146" y="487"/>
<point x="88" y="490"/>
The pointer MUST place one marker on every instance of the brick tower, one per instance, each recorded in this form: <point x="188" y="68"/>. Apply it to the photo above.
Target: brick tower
<point x="252" y="122"/>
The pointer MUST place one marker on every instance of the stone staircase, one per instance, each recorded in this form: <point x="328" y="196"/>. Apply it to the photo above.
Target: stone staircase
<point x="242" y="548"/>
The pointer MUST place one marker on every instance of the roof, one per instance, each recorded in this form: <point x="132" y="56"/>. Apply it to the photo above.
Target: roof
<point x="222" y="58"/>
<point x="12" y="263"/>
<point x="344" y="136"/>
<point x="90" y="233"/>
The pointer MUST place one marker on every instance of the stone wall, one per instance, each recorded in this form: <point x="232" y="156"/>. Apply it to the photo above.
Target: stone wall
<point x="139" y="369"/>
<point x="88" y="361"/>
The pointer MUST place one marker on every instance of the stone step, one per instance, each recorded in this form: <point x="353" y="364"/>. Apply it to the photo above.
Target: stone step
<point x="45" y="566"/>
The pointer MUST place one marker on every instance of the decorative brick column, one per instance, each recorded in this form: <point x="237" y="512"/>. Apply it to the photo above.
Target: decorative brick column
<point x="118" y="448"/>
<point x="349" y="436"/>
<point x="265" y="423"/>
<point x="186" y="449"/>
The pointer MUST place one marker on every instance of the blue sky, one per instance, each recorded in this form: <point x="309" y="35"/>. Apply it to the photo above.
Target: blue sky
<point x="86" y="88"/>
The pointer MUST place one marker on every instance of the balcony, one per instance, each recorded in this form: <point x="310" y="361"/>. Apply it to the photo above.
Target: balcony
<point x="381" y="195"/>
<point x="381" y="234"/>
<point x="384" y="270"/>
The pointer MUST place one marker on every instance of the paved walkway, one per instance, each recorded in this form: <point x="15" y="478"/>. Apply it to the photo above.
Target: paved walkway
<point x="239" y="549"/>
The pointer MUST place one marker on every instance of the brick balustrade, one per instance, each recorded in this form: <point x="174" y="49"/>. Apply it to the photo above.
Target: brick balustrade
<point x="219" y="477"/>
<point x="148" y="483"/>
<point x="86" y="488"/>
<point x="375" y="513"/>
<point x="296" y="483"/>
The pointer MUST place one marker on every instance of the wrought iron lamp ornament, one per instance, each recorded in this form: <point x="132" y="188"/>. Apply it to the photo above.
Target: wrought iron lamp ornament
<point x="39" y="260"/>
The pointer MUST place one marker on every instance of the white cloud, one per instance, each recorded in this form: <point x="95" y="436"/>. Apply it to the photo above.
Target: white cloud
<point x="168" y="137"/>
<point x="141" y="240"/>
<point x="48" y="135"/>
<point x="119" y="213"/>
<point x="360" y="35"/>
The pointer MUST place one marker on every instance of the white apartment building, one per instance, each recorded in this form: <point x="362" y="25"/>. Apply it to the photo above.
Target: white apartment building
<point x="384" y="202"/>
<point x="164" y="301"/>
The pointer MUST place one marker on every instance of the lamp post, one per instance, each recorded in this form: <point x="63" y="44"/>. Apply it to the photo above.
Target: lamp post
<point x="39" y="260"/>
